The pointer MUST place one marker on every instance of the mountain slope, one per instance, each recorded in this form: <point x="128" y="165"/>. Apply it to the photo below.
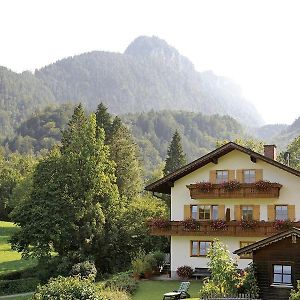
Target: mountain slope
<point x="149" y="75"/>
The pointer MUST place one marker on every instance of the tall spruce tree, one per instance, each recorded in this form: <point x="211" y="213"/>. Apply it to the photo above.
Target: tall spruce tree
<point x="103" y="119"/>
<point x="74" y="203"/>
<point x="176" y="158"/>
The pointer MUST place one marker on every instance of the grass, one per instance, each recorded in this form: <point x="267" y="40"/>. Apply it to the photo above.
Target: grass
<point x="155" y="289"/>
<point x="10" y="260"/>
<point x="17" y="298"/>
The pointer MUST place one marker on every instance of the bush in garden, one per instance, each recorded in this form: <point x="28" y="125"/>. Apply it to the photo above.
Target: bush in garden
<point x="184" y="272"/>
<point x="68" y="288"/>
<point x="84" y="269"/>
<point x="247" y="281"/>
<point x="122" y="282"/>
<point x="295" y="295"/>
<point x="209" y="289"/>
<point x="113" y="295"/>
<point x="159" y="258"/>
<point x="16" y="286"/>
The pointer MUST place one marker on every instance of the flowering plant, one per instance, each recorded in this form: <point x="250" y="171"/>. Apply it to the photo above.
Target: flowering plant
<point x="231" y="186"/>
<point x="282" y="224"/>
<point x="160" y="223"/>
<point x="190" y="224"/>
<point x="249" y="224"/>
<point x="204" y="186"/>
<point x="263" y="185"/>
<point x="218" y="225"/>
<point x="184" y="272"/>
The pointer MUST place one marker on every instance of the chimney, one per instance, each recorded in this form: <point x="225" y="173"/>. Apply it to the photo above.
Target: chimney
<point x="270" y="151"/>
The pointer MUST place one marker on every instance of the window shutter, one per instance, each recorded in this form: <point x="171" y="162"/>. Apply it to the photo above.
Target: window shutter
<point x="187" y="212"/>
<point x="271" y="213"/>
<point x="237" y="212"/>
<point x="239" y="175"/>
<point x="256" y="212"/>
<point x="231" y="175"/>
<point x="291" y="212"/>
<point x="212" y="176"/>
<point x="221" y="212"/>
<point x="258" y="174"/>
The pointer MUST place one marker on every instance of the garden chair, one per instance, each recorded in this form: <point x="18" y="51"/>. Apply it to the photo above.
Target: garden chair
<point x="181" y="293"/>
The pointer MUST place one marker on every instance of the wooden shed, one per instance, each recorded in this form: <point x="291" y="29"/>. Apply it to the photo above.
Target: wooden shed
<point x="277" y="261"/>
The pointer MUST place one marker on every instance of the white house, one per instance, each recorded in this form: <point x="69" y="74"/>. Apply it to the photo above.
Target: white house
<point x="234" y="194"/>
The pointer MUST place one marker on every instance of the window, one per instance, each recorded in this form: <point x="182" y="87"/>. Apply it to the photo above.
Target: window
<point x="199" y="248"/>
<point x="222" y="176"/>
<point x="204" y="212"/>
<point x="282" y="274"/>
<point x="247" y="212"/>
<point x="249" y="176"/>
<point x="281" y="212"/>
<point x="194" y="211"/>
<point x="214" y="212"/>
<point x="246" y="255"/>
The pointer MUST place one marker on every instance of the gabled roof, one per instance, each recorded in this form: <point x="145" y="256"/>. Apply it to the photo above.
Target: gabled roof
<point x="164" y="184"/>
<point x="269" y="240"/>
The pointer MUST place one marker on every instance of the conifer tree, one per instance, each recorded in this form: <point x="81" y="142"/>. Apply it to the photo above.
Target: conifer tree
<point x="103" y="119"/>
<point x="176" y="158"/>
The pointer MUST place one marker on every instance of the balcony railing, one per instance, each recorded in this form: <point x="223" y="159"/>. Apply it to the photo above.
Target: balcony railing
<point x="247" y="190"/>
<point x="233" y="228"/>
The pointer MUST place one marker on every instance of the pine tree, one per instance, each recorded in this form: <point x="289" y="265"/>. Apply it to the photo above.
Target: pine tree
<point x="176" y="158"/>
<point x="103" y="119"/>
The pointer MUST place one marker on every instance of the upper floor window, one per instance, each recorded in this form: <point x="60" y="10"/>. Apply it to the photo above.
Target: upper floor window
<point x="247" y="212"/>
<point x="204" y="212"/>
<point x="282" y="274"/>
<point x="281" y="212"/>
<point x="249" y="176"/>
<point x="221" y="176"/>
<point x="200" y="248"/>
<point x="214" y="212"/>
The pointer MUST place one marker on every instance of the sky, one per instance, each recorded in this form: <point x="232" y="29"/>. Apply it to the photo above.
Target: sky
<point x="255" y="43"/>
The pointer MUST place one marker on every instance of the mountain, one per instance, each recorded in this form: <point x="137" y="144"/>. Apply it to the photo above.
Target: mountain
<point x="150" y="74"/>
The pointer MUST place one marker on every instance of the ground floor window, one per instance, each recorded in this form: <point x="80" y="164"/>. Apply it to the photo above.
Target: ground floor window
<point x="282" y="274"/>
<point x="199" y="248"/>
<point x="244" y="244"/>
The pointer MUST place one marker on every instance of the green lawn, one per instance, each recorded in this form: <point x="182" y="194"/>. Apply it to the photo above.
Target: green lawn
<point x="10" y="260"/>
<point x="154" y="290"/>
<point x="17" y="298"/>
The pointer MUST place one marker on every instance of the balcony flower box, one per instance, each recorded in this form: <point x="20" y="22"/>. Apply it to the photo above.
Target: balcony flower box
<point x="282" y="224"/>
<point x="249" y="224"/>
<point x="160" y="223"/>
<point x="231" y="186"/>
<point x="218" y="225"/>
<point x="204" y="186"/>
<point x="190" y="224"/>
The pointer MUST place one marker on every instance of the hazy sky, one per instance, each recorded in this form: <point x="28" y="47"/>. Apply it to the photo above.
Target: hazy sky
<point x="256" y="43"/>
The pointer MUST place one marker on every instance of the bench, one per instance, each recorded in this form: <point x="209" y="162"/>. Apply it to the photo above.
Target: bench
<point x="201" y="272"/>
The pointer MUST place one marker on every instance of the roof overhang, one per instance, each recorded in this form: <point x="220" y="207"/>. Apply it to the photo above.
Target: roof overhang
<point x="164" y="184"/>
<point x="269" y="240"/>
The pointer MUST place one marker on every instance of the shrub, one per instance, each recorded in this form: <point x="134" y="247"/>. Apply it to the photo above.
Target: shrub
<point x="85" y="269"/>
<point x="18" y="286"/>
<point x="209" y="289"/>
<point x="295" y="295"/>
<point x="122" y="282"/>
<point x="159" y="258"/>
<point x="67" y="288"/>
<point x="247" y="281"/>
<point x="113" y="295"/>
<point x="184" y="272"/>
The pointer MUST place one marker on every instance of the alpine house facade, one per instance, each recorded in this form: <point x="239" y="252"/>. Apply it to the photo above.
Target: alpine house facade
<point x="233" y="194"/>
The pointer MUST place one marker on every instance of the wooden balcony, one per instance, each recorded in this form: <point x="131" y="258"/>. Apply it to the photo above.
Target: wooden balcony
<point x="247" y="190"/>
<point x="262" y="229"/>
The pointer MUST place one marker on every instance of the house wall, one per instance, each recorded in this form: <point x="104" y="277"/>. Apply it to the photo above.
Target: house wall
<point x="181" y="251"/>
<point x="180" y="196"/>
<point x="264" y="258"/>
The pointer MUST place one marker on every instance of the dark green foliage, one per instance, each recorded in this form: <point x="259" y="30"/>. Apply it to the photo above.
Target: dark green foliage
<point x="122" y="281"/>
<point x="294" y="150"/>
<point x="8" y="287"/>
<point x="67" y="288"/>
<point x="103" y="120"/>
<point x="176" y="158"/>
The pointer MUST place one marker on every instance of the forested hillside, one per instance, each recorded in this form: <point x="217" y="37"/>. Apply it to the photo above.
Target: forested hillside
<point x="20" y="96"/>
<point x="149" y="75"/>
<point x="152" y="132"/>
